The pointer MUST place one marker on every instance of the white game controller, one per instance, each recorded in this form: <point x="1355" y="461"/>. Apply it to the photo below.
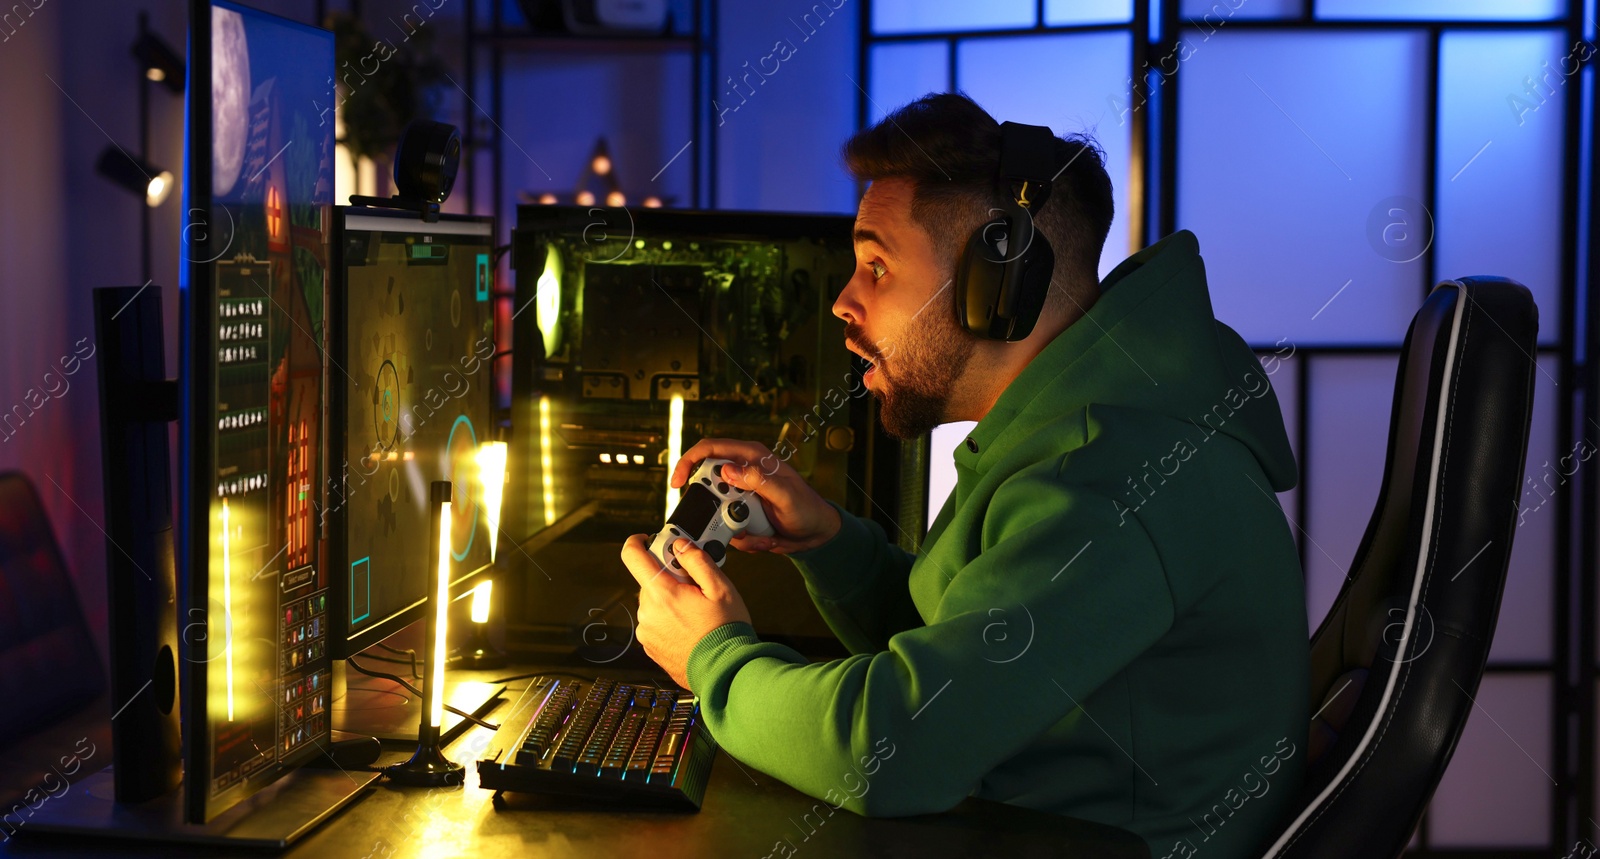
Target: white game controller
<point x="709" y="514"/>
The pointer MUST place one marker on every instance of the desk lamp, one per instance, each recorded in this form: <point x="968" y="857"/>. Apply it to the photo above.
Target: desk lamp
<point x="429" y="767"/>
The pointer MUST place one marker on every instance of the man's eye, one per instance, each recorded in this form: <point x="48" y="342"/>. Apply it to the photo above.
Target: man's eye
<point x="878" y="271"/>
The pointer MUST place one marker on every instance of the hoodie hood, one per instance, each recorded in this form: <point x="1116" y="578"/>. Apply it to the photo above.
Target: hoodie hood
<point x="1150" y="342"/>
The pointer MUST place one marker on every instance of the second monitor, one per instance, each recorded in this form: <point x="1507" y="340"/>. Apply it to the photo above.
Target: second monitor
<point x="411" y="342"/>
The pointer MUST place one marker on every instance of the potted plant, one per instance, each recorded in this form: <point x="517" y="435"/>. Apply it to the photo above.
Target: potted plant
<point x="384" y="81"/>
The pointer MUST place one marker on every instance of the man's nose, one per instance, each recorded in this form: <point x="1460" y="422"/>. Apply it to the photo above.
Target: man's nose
<point x="845" y="306"/>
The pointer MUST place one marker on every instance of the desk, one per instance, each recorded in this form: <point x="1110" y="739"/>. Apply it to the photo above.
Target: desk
<point x="746" y="814"/>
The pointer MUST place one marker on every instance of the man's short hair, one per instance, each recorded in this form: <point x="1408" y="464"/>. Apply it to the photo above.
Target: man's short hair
<point x="949" y="148"/>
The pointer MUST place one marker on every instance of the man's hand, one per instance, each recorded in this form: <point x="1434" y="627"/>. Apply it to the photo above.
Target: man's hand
<point x="674" y="616"/>
<point x="799" y="516"/>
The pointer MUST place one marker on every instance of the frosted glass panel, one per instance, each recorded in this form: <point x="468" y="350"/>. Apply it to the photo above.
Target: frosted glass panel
<point x="1066" y="12"/>
<point x="935" y="16"/>
<point x="1524" y="631"/>
<point x="765" y="159"/>
<point x="1496" y="791"/>
<point x="1210" y="14"/>
<point x="1500" y="161"/>
<point x="906" y="71"/>
<point x="1349" y="414"/>
<point x="1443" y="10"/>
<point x="1285" y="379"/>
<point x="1287" y="163"/>
<point x="941" y="462"/>
<point x="1085" y="72"/>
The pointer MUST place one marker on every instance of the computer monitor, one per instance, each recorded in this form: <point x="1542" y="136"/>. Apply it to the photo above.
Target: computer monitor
<point x="638" y="333"/>
<point x="411" y="345"/>
<point x="254" y="591"/>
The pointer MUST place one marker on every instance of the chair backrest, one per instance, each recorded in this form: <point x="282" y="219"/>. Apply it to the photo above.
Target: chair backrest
<point x="1395" y="665"/>
<point x="48" y="657"/>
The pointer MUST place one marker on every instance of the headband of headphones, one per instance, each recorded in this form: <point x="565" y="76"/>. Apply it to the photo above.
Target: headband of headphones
<point x="1027" y="164"/>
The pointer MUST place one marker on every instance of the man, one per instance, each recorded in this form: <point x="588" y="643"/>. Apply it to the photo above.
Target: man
<point x="1107" y="618"/>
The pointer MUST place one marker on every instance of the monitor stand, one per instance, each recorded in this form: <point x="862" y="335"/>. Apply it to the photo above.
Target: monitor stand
<point x="137" y="405"/>
<point x="275" y="817"/>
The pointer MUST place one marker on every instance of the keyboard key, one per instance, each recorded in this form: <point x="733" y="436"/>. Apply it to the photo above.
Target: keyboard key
<point x="622" y="744"/>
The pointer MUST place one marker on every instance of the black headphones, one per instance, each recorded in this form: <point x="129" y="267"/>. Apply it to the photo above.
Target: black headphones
<point x="1004" y="272"/>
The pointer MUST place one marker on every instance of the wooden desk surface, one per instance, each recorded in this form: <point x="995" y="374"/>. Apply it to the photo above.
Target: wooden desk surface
<point x="746" y="814"/>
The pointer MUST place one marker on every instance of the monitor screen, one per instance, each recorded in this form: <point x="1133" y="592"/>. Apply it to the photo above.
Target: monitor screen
<point x="259" y="189"/>
<point x="413" y="340"/>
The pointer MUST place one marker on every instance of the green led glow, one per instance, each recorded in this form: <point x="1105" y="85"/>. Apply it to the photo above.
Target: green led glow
<point x="547" y="301"/>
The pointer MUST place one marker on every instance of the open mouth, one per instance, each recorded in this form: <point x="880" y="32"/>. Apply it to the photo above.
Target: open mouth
<point x="864" y="366"/>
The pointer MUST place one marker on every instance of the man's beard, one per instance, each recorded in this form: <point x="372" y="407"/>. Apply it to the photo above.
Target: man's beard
<point x="917" y="371"/>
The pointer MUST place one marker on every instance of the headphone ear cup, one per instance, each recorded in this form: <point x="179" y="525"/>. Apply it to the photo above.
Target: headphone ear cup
<point x="1033" y="286"/>
<point x="1018" y="252"/>
<point x="980" y="278"/>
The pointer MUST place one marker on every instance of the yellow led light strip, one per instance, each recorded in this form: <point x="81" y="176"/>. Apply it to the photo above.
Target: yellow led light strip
<point x="441" y="609"/>
<point x="227" y="599"/>
<point x="546" y="464"/>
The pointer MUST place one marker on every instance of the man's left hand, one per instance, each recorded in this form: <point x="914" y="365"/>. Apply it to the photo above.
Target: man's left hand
<point x="674" y="616"/>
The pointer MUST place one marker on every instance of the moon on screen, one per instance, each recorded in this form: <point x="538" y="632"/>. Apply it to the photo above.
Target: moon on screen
<point x="230" y="98"/>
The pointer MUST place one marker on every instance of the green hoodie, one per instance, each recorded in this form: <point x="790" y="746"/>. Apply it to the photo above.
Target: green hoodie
<point x="1107" y="618"/>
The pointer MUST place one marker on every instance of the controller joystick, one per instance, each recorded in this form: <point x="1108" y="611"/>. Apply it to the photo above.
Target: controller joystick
<point x="710" y="513"/>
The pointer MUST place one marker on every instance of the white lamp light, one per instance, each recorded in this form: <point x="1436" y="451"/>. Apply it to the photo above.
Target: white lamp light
<point x="492" y="477"/>
<point x="480" y="601"/>
<point x="674" y="448"/>
<point x="477" y="653"/>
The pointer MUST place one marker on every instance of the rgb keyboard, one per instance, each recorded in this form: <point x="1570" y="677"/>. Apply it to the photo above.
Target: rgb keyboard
<point x="602" y="739"/>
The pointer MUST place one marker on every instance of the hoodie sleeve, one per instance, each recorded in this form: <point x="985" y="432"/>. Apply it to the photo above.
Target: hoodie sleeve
<point x="1059" y="600"/>
<point x="859" y="582"/>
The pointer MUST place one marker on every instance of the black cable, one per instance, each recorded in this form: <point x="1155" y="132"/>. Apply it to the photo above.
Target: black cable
<point x="418" y="692"/>
<point x="411" y="662"/>
<point x="412" y="654"/>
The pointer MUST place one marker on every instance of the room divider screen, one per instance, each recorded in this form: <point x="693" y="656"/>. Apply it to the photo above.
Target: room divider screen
<point x="1336" y="158"/>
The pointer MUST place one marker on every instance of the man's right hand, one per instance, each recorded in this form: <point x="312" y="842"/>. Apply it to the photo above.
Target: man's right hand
<point x="799" y="516"/>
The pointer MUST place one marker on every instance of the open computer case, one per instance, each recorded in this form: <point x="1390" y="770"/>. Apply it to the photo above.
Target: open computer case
<point x="637" y="332"/>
